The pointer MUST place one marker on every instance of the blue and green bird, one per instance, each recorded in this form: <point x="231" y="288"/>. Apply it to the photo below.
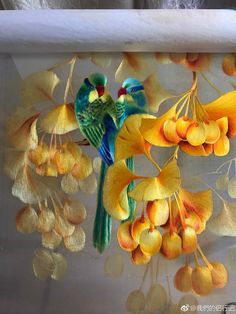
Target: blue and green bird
<point x="100" y="119"/>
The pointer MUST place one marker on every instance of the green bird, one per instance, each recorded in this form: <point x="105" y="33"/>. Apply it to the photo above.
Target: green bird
<point x="99" y="119"/>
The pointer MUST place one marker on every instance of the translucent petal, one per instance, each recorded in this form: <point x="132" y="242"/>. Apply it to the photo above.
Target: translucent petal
<point x="138" y="226"/>
<point x="135" y="301"/>
<point x="114" y="265"/>
<point x="158" y="212"/>
<point x="60" y="120"/>
<point x="64" y="160"/>
<point x="232" y="187"/>
<point x="26" y="136"/>
<point x="229" y="64"/>
<point x="38" y="87"/>
<point x="199" y="202"/>
<point x="63" y="227"/>
<point x="97" y="164"/>
<point x="219" y="275"/>
<point x="156" y="299"/>
<point x="152" y="129"/>
<point x="150" y="241"/>
<point x="224" y="224"/>
<point x="155" y="92"/>
<point x="170" y="132"/>
<point x="171" y="245"/>
<point x="60" y="267"/>
<point x="51" y="240"/>
<point x="46" y="220"/>
<point x="139" y="258"/>
<point x="160" y="187"/>
<point x="83" y="168"/>
<point x="117" y="178"/>
<point x="47" y="169"/>
<point x="183" y="279"/>
<point x="43" y="264"/>
<point x="69" y="184"/>
<point x="29" y="187"/>
<point x="202" y="280"/>
<point x="14" y="161"/>
<point x="101" y="59"/>
<point x="26" y="220"/>
<point x="134" y="64"/>
<point x="89" y="184"/>
<point x="212" y="132"/>
<point x="196" y="134"/>
<point x="129" y="141"/>
<point x="74" y="211"/>
<point x="222" y="146"/>
<point x="76" y="241"/>
<point x="125" y="238"/>
<point x="222" y="182"/>
<point x="224" y="106"/>
<point x="40" y="154"/>
<point x="189" y="239"/>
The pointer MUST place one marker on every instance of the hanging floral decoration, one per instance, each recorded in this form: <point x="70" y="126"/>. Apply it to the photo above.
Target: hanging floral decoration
<point x="47" y="163"/>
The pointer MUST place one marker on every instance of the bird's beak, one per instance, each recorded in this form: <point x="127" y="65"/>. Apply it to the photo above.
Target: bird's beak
<point x="122" y="91"/>
<point x="100" y="90"/>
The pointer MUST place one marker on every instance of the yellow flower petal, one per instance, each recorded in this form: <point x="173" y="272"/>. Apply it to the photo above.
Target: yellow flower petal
<point x="38" y="87"/>
<point x="196" y="134"/>
<point x="202" y="281"/>
<point x="170" y="132"/>
<point x="60" y="120"/>
<point x="138" y="226"/>
<point x="183" y="279"/>
<point x="150" y="241"/>
<point x="40" y="154"/>
<point x="155" y="92"/>
<point x="224" y="106"/>
<point x="129" y="141"/>
<point x="83" y="168"/>
<point x="229" y="64"/>
<point x="201" y="150"/>
<point x="160" y="187"/>
<point x="139" y="258"/>
<point x="199" y="202"/>
<point x="117" y="178"/>
<point x="171" y="245"/>
<point x="152" y="129"/>
<point x="219" y="275"/>
<point x="182" y="125"/>
<point x="26" y="220"/>
<point x="158" y="212"/>
<point x="189" y="239"/>
<point x="212" y="130"/>
<point x="125" y="238"/>
<point x="222" y="146"/>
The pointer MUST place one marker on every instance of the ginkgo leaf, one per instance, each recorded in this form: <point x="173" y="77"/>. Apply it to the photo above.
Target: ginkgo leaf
<point x="69" y="184"/>
<point x="43" y="264"/>
<point x="26" y="136"/>
<point x="76" y="241"/>
<point x="224" y="106"/>
<point x="38" y="87"/>
<point x="51" y="240"/>
<point x="14" y="161"/>
<point x="156" y="94"/>
<point x="129" y="141"/>
<point x="60" y="266"/>
<point x="89" y="184"/>
<point x="29" y="187"/>
<point x="160" y="187"/>
<point x="224" y="224"/>
<point x="117" y="178"/>
<point x="74" y="211"/>
<point x="82" y="168"/>
<point x="101" y="59"/>
<point x="229" y="64"/>
<point x="26" y="220"/>
<point x="133" y="64"/>
<point x="60" y="120"/>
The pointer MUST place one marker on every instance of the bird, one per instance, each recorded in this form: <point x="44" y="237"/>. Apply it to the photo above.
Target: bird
<point x="99" y="119"/>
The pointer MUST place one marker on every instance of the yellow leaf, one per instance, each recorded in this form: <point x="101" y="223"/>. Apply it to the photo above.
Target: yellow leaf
<point x="134" y="64"/>
<point x="38" y="87"/>
<point x="60" y="120"/>
<point x="155" y="92"/>
<point x="224" y="106"/>
<point x="152" y="129"/>
<point x="160" y="187"/>
<point x="82" y="168"/>
<point x="224" y="224"/>
<point x="117" y="178"/>
<point x="229" y="64"/>
<point x="129" y="141"/>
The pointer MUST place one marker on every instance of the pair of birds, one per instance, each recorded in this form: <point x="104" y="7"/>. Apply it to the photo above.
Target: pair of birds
<point x="100" y="119"/>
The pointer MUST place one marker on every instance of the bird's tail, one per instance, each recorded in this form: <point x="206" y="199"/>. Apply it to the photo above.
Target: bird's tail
<point x="102" y="223"/>
<point x="132" y="203"/>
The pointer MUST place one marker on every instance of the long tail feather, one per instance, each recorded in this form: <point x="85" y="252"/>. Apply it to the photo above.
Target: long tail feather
<point x="132" y="203"/>
<point x="102" y="223"/>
